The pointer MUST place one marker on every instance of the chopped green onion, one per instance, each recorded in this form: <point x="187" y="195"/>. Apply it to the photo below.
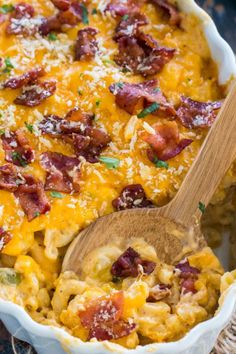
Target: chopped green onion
<point x="125" y="17"/>
<point x="55" y="194"/>
<point x="9" y="276"/>
<point x="161" y="164"/>
<point x="119" y="85"/>
<point x="84" y="15"/>
<point x="156" y="89"/>
<point x="110" y="162"/>
<point x="36" y="214"/>
<point x="52" y="36"/>
<point x="97" y="103"/>
<point x="5" y="9"/>
<point x="150" y="109"/>
<point x="29" y="127"/>
<point x="94" y="11"/>
<point x="16" y="156"/>
<point x="80" y="92"/>
<point x="202" y="207"/>
<point x="108" y="61"/>
<point x="2" y="131"/>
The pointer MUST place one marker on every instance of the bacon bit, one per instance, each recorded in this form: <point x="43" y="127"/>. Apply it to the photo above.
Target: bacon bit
<point x="141" y="54"/>
<point x="5" y="238"/>
<point x="86" y="45"/>
<point x="125" y="7"/>
<point x="102" y="317"/>
<point x="159" y="292"/>
<point x="62" y="5"/>
<point x="132" y="196"/>
<point x="91" y="144"/>
<point x="33" y="95"/>
<point x="171" y="10"/>
<point x="62" y="172"/>
<point x="133" y="97"/>
<point x="17" y="148"/>
<point x="128" y="264"/>
<point x="112" y="330"/>
<point x="129" y="26"/>
<point x="28" y="78"/>
<point x="77" y="129"/>
<point x="188" y="275"/>
<point x="32" y="197"/>
<point x="9" y="178"/>
<point x="194" y="114"/>
<point x="21" y="11"/>
<point x="71" y="17"/>
<point x="166" y="143"/>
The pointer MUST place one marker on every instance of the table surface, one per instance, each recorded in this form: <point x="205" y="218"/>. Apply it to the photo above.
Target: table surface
<point x="224" y="14"/>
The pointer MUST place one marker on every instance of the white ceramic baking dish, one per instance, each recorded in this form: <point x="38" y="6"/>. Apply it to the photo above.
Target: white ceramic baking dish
<point x="201" y="339"/>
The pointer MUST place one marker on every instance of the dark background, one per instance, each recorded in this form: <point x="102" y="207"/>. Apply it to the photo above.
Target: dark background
<point x="224" y="14"/>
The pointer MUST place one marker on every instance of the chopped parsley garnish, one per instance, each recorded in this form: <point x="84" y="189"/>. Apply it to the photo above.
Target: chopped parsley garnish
<point x="29" y="127"/>
<point x="108" y="61"/>
<point x="110" y="162"/>
<point x="202" y="207"/>
<point x="119" y="85"/>
<point x="36" y="214"/>
<point x="84" y="15"/>
<point x="5" y="9"/>
<point x="9" y="276"/>
<point x="8" y="65"/>
<point x="55" y="194"/>
<point x="16" y="156"/>
<point x="98" y="103"/>
<point x="94" y="11"/>
<point x="52" y="36"/>
<point x="150" y="109"/>
<point x="2" y="132"/>
<point x="160" y="163"/>
<point x="116" y="279"/>
<point x="80" y="92"/>
<point x="125" y="17"/>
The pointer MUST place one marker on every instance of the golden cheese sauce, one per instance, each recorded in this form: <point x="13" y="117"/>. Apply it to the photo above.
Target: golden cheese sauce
<point x="37" y="247"/>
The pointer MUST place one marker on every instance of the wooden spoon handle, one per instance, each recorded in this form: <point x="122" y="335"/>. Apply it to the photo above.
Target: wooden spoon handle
<point x="213" y="160"/>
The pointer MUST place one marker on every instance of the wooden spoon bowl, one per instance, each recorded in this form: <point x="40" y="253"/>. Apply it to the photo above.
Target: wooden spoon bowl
<point x="173" y="229"/>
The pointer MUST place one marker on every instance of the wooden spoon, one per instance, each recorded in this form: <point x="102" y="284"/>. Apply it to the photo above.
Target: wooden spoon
<point x="174" y="229"/>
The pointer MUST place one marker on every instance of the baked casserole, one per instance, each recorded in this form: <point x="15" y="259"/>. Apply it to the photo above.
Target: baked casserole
<point x="104" y="106"/>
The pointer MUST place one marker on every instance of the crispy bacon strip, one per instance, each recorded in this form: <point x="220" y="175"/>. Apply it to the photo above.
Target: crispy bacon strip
<point x="132" y="196"/>
<point x="17" y="148"/>
<point x="141" y="54"/>
<point x="62" y="172"/>
<point x="128" y="265"/>
<point x="188" y="276"/>
<point x="86" y="45"/>
<point x="133" y="97"/>
<point x="166" y="143"/>
<point x="19" y="20"/>
<point x="5" y="238"/>
<point x="32" y="197"/>
<point x="10" y="178"/>
<point x="62" y="5"/>
<point x="25" y="79"/>
<point x="102" y="317"/>
<point x="171" y="10"/>
<point x="129" y="26"/>
<point x="35" y="94"/>
<point x="125" y="7"/>
<point x="193" y="114"/>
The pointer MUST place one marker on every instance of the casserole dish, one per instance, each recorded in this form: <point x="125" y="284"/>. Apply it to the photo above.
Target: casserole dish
<point x="198" y="339"/>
